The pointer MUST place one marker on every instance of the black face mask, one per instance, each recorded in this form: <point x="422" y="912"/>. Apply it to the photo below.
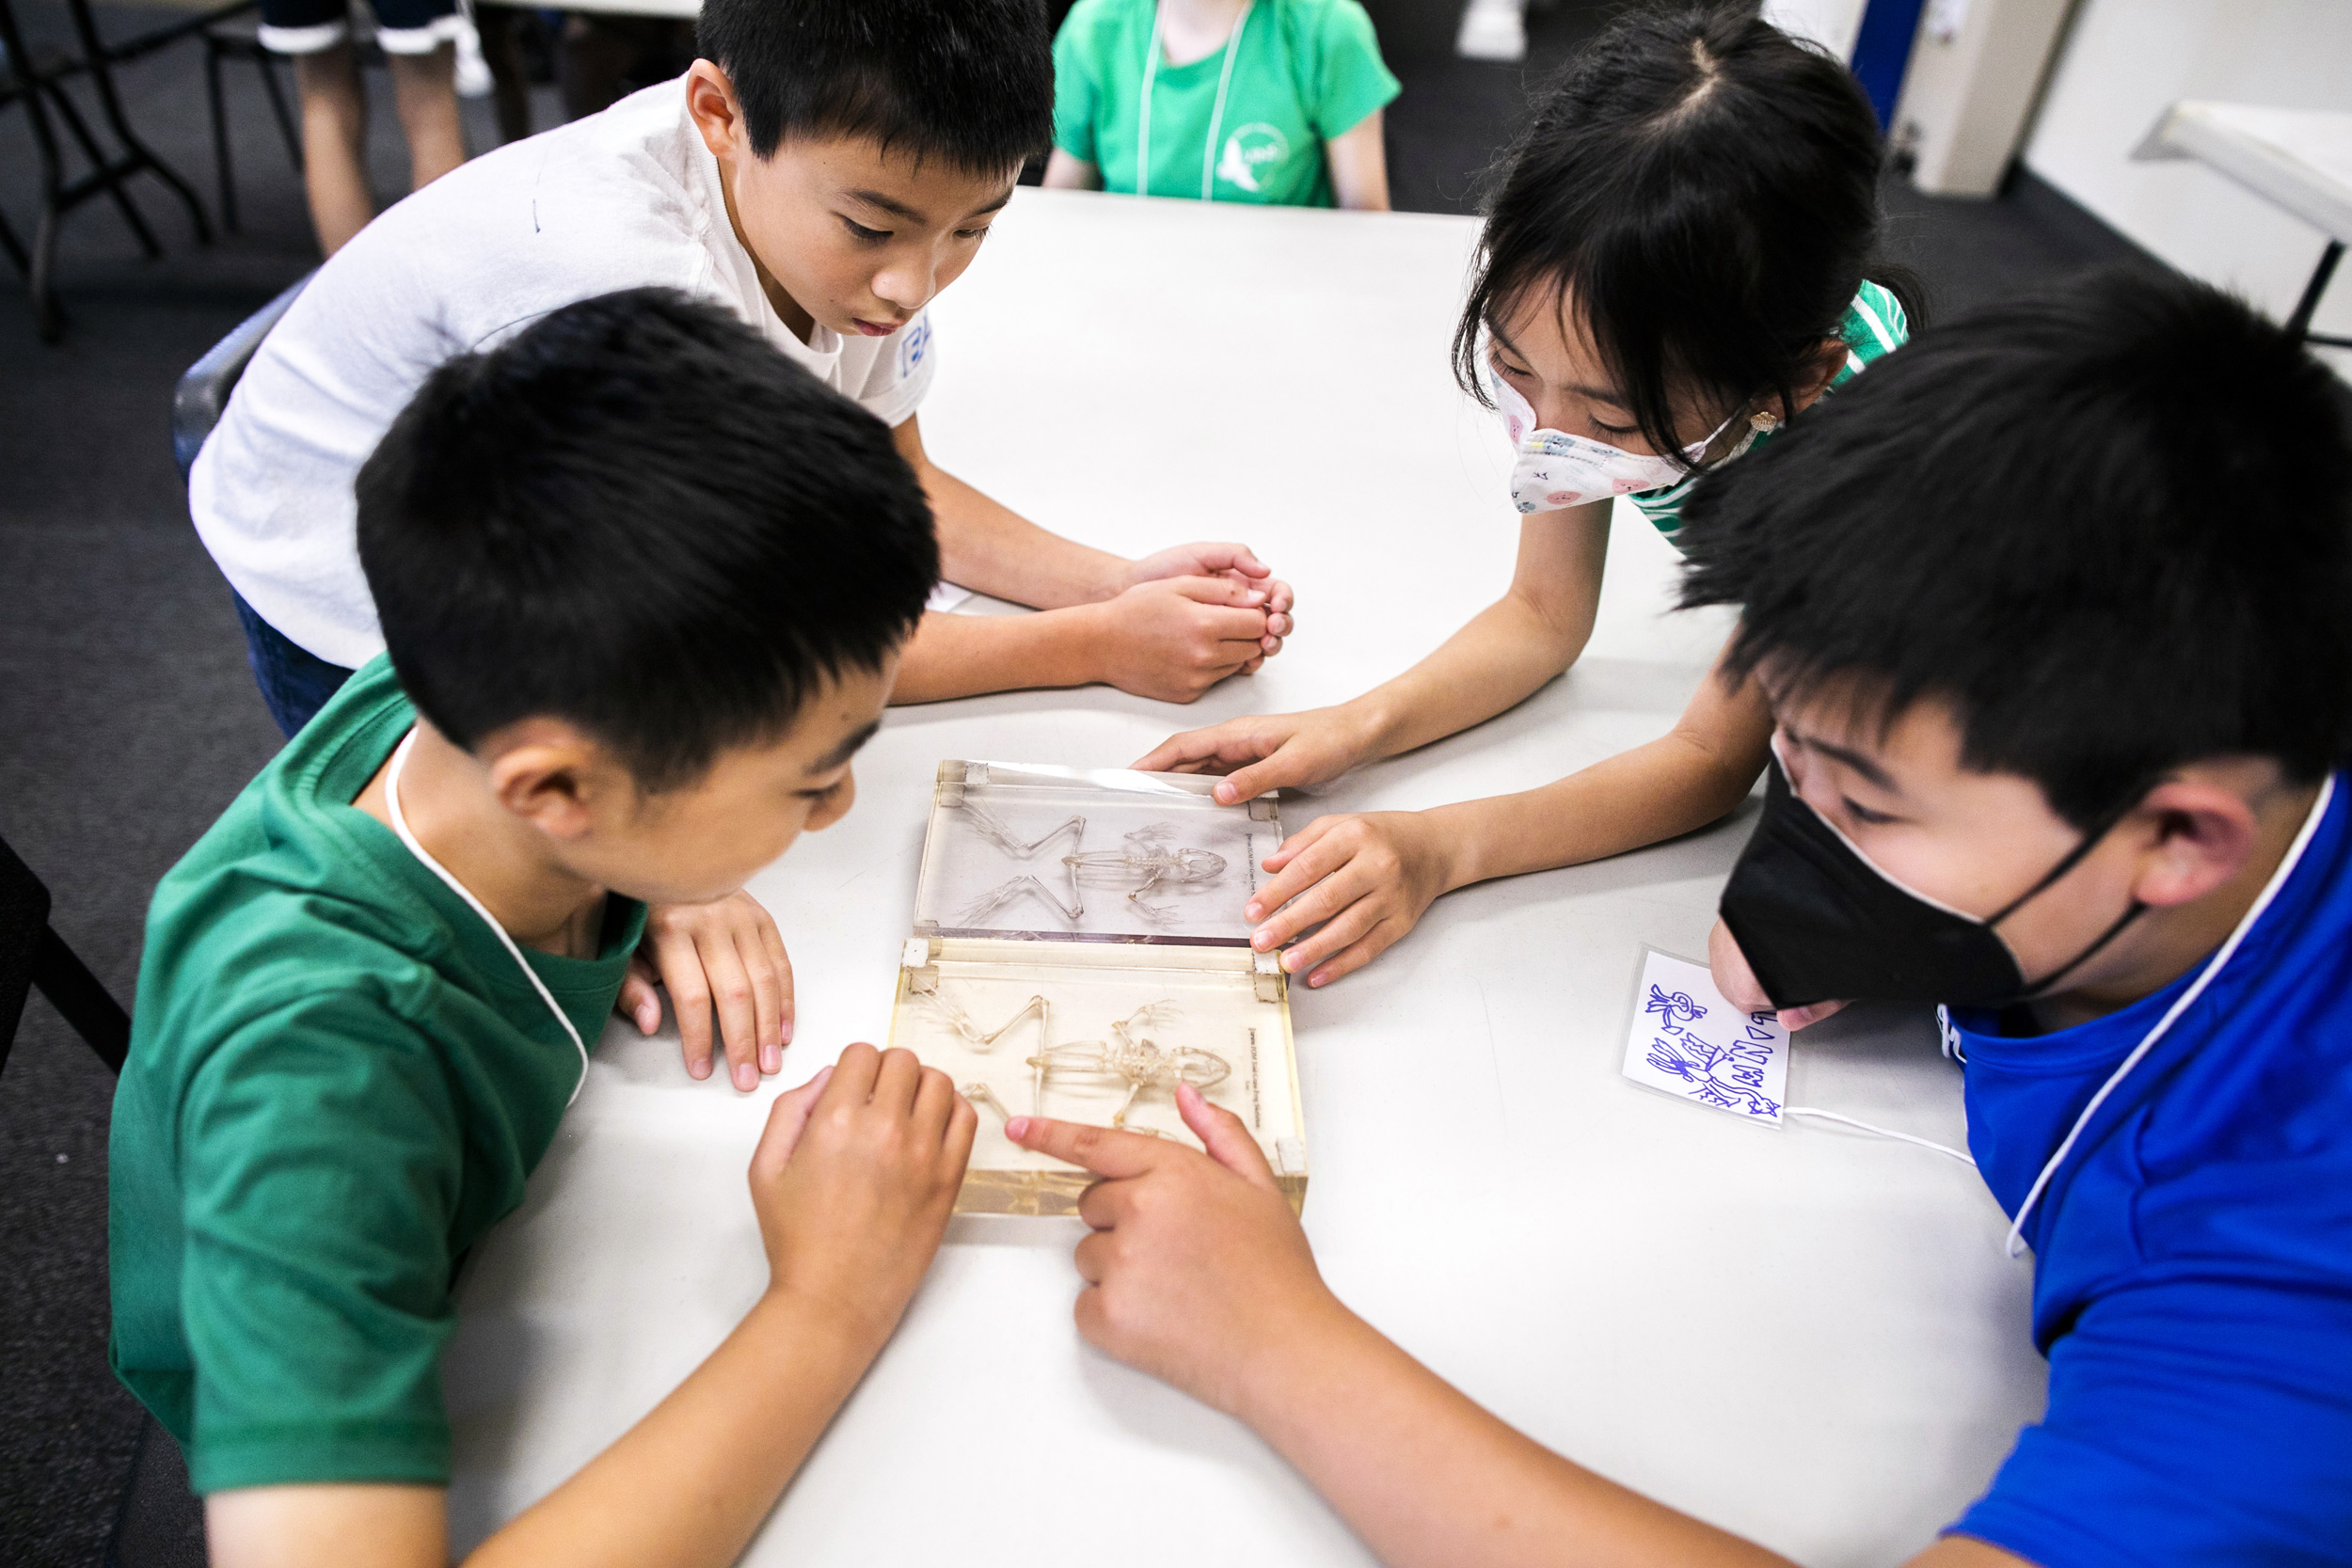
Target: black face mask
<point x="1818" y="922"/>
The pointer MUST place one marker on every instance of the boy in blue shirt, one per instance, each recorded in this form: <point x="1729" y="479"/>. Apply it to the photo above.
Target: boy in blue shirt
<point x="2063" y="752"/>
<point x="645" y="585"/>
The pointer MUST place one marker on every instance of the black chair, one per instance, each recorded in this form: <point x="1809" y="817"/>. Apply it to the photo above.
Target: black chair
<point x="203" y="391"/>
<point x="158" y="1522"/>
<point x="33" y="955"/>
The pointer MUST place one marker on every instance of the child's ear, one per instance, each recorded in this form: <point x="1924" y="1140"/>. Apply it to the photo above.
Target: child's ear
<point x="717" y="113"/>
<point x="2202" y="834"/>
<point x="1820" y="369"/>
<point x="552" y="779"/>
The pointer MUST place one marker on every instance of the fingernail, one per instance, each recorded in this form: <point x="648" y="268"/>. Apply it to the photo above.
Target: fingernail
<point x="698" y="1070"/>
<point x="1289" y="962"/>
<point x="1017" y="1127"/>
<point x="1253" y="912"/>
<point x="1255" y="597"/>
<point x="1315" y="980"/>
<point x="787" y="1031"/>
<point x="745" y="1077"/>
<point x="771" y="1059"/>
<point x="1224" y="793"/>
<point x="650" y="1016"/>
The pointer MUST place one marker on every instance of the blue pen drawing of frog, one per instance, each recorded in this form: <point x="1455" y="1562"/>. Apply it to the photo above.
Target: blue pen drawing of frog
<point x="1731" y="1076"/>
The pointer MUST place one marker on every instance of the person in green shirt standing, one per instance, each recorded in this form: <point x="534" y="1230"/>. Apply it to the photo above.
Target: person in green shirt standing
<point x="644" y="583"/>
<point x="1272" y="102"/>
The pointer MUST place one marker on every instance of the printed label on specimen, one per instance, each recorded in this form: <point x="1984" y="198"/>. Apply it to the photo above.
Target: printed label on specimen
<point x="1687" y="1040"/>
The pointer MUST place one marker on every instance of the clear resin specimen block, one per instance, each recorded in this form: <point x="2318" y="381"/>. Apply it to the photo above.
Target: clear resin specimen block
<point x="1080" y="952"/>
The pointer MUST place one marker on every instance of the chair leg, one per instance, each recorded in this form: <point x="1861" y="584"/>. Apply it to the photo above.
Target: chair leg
<point x="102" y="80"/>
<point x="286" y="128"/>
<point x="109" y="175"/>
<point x="15" y="248"/>
<point x="87" y="1004"/>
<point x="48" y="315"/>
<point x="221" y="169"/>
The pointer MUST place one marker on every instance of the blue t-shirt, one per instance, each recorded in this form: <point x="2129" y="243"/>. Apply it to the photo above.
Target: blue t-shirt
<point x="2192" y="1257"/>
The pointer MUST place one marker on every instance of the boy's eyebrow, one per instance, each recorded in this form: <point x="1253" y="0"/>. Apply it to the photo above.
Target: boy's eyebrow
<point x="1858" y="761"/>
<point x="899" y="209"/>
<point x="996" y="206"/>
<point x="843" y="753"/>
<point x="888" y="204"/>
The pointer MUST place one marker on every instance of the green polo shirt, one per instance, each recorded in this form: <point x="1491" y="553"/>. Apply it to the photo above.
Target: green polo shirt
<point x="1874" y="325"/>
<point x="339" y="1079"/>
<point x="1303" y="72"/>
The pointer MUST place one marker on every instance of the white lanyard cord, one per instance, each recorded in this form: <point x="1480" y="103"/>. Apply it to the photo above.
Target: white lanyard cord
<point x="2015" y="1244"/>
<point x="1217" y="116"/>
<point x="400" y="825"/>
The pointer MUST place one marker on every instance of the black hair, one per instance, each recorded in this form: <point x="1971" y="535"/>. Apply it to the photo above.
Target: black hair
<point x="2111" y="524"/>
<point x="967" y="81"/>
<point x="1706" y="186"/>
<point x="638" y="515"/>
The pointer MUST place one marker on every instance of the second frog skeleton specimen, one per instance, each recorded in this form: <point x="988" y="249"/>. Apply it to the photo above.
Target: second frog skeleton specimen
<point x="1148" y="862"/>
<point x="1129" y="1056"/>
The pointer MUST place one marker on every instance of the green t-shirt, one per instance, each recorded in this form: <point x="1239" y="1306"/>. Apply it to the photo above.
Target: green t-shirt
<point x="339" y="1079"/>
<point x="1874" y="325"/>
<point x="1304" y="72"/>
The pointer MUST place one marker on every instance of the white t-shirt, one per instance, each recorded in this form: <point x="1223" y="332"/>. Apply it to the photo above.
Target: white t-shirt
<point x="622" y="198"/>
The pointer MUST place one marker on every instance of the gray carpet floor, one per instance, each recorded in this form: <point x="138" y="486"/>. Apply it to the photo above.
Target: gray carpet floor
<point x="128" y="718"/>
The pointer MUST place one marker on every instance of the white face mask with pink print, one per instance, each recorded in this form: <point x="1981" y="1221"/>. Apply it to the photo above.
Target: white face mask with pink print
<point x="1551" y="469"/>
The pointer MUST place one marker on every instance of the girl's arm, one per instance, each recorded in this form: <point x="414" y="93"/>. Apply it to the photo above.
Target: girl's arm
<point x="1359" y="161"/>
<point x="1510" y="648"/>
<point x="1198" y="1273"/>
<point x="1368" y="878"/>
<point x="1064" y="172"/>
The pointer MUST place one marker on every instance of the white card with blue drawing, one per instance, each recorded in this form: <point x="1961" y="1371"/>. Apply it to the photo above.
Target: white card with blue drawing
<point x="1687" y="1041"/>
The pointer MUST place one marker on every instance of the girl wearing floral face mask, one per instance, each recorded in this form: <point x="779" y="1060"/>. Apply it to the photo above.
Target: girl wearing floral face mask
<point x="1679" y="257"/>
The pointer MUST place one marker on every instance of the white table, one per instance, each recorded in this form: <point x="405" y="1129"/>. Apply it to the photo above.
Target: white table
<point x="1806" y="1335"/>
<point x="2297" y="159"/>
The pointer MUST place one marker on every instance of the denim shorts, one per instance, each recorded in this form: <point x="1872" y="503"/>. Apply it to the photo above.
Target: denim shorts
<point x="295" y="682"/>
<point x="401" y="26"/>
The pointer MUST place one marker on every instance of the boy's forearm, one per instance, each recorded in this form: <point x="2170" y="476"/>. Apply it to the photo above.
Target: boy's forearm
<point x="987" y="547"/>
<point x="1426" y="1477"/>
<point x="687" y="1486"/>
<point x="966" y="656"/>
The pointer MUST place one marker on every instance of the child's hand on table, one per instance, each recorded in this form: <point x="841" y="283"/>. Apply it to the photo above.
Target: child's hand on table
<point x="1196" y="1270"/>
<point x="853" y="1181"/>
<point x="1234" y="563"/>
<point x="1174" y="637"/>
<point x="727" y="954"/>
<point x="1275" y="750"/>
<point x="1365" y="878"/>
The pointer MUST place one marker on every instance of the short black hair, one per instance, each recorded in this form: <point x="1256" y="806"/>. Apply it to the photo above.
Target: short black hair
<point x="967" y="81"/>
<point x="2111" y="524"/>
<point x="638" y="515"/>
<point x="1707" y="187"/>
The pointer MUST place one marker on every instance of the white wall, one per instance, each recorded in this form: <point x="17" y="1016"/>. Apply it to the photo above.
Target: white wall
<point x="2124" y="61"/>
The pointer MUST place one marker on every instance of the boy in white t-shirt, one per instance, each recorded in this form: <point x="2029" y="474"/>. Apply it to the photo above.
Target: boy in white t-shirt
<point x="823" y="171"/>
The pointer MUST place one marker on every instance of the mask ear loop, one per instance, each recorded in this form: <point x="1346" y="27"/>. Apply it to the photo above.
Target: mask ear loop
<point x="2015" y="1244"/>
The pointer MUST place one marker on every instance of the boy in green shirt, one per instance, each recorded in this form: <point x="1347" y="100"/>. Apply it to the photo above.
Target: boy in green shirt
<point x="1272" y="102"/>
<point x="643" y="585"/>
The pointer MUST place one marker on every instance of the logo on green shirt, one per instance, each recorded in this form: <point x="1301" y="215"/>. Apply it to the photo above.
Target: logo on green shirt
<point x="1254" y="147"/>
